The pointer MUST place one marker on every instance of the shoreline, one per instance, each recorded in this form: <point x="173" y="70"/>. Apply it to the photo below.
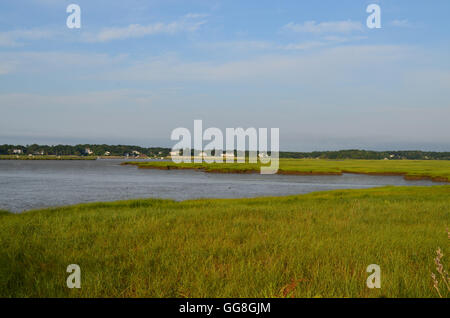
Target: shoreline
<point x="86" y="205"/>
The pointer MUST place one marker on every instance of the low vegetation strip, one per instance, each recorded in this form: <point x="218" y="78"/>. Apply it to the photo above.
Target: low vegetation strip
<point x="45" y="157"/>
<point x="314" y="245"/>
<point x="436" y="170"/>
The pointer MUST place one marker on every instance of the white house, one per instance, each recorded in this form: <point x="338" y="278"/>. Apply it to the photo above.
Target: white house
<point x="107" y="153"/>
<point x="88" y="151"/>
<point x="174" y="153"/>
<point x="17" y="151"/>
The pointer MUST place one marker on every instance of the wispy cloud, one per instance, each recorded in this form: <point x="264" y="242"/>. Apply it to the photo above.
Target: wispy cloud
<point x="239" y="46"/>
<point x="51" y="63"/>
<point x="189" y="23"/>
<point x="250" y="45"/>
<point x="324" y="27"/>
<point x="304" y="45"/>
<point x="325" y="41"/>
<point x="281" y="67"/>
<point x="196" y="15"/>
<point x="16" y="38"/>
<point x="401" y="23"/>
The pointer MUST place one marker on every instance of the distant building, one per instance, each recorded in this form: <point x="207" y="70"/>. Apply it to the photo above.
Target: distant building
<point x="135" y="153"/>
<point x="227" y="155"/>
<point x="107" y="153"/>
<point x="174" y="153"/>
<point x="88" y="151"/>
<point x="17" y="151"/>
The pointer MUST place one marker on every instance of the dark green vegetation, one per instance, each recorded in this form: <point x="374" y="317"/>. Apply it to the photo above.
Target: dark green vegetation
<point x="318" y="244"/>
<point x="437" y="170"/>
<point x="121" y="150"/>
<point x="81" y="150"/>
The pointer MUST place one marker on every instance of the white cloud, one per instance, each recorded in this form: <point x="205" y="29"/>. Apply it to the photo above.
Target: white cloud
<point x="324" y="27"/>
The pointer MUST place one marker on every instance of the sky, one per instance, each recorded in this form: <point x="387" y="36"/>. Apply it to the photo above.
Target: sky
<point x="136" y="70"/>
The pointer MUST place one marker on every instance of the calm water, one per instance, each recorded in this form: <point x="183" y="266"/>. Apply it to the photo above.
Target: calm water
<point x="28" y="185"/>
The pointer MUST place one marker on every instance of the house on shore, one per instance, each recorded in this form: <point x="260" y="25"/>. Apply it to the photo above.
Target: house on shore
<point x="17" y="151"/>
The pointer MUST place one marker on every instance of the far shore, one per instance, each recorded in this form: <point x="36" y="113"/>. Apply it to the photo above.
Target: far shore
<point x="71" y="157"/>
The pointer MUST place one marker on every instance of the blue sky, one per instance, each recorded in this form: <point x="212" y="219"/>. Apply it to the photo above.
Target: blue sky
<point x="138" y="69"/>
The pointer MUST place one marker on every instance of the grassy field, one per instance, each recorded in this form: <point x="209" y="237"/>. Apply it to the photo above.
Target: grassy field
<point x="314" y="245"/>
<point x="45" y="157"/>
<point x="437" y="170"/>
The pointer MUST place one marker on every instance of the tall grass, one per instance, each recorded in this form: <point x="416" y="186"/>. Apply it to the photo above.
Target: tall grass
<point x="318" y="244"/>
<point x="441" y="279"/>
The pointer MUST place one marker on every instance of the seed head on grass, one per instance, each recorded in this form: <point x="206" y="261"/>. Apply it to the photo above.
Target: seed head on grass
<point x="443" y="274"/>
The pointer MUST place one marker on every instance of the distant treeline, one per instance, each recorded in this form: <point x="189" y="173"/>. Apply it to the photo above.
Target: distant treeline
<point x="124" y="150"/>
<point x="365" y="154"/>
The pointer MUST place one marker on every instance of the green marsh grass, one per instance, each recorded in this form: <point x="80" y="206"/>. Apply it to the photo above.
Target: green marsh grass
<point x="314" y="245"/>
<point x="438" y="170"/>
